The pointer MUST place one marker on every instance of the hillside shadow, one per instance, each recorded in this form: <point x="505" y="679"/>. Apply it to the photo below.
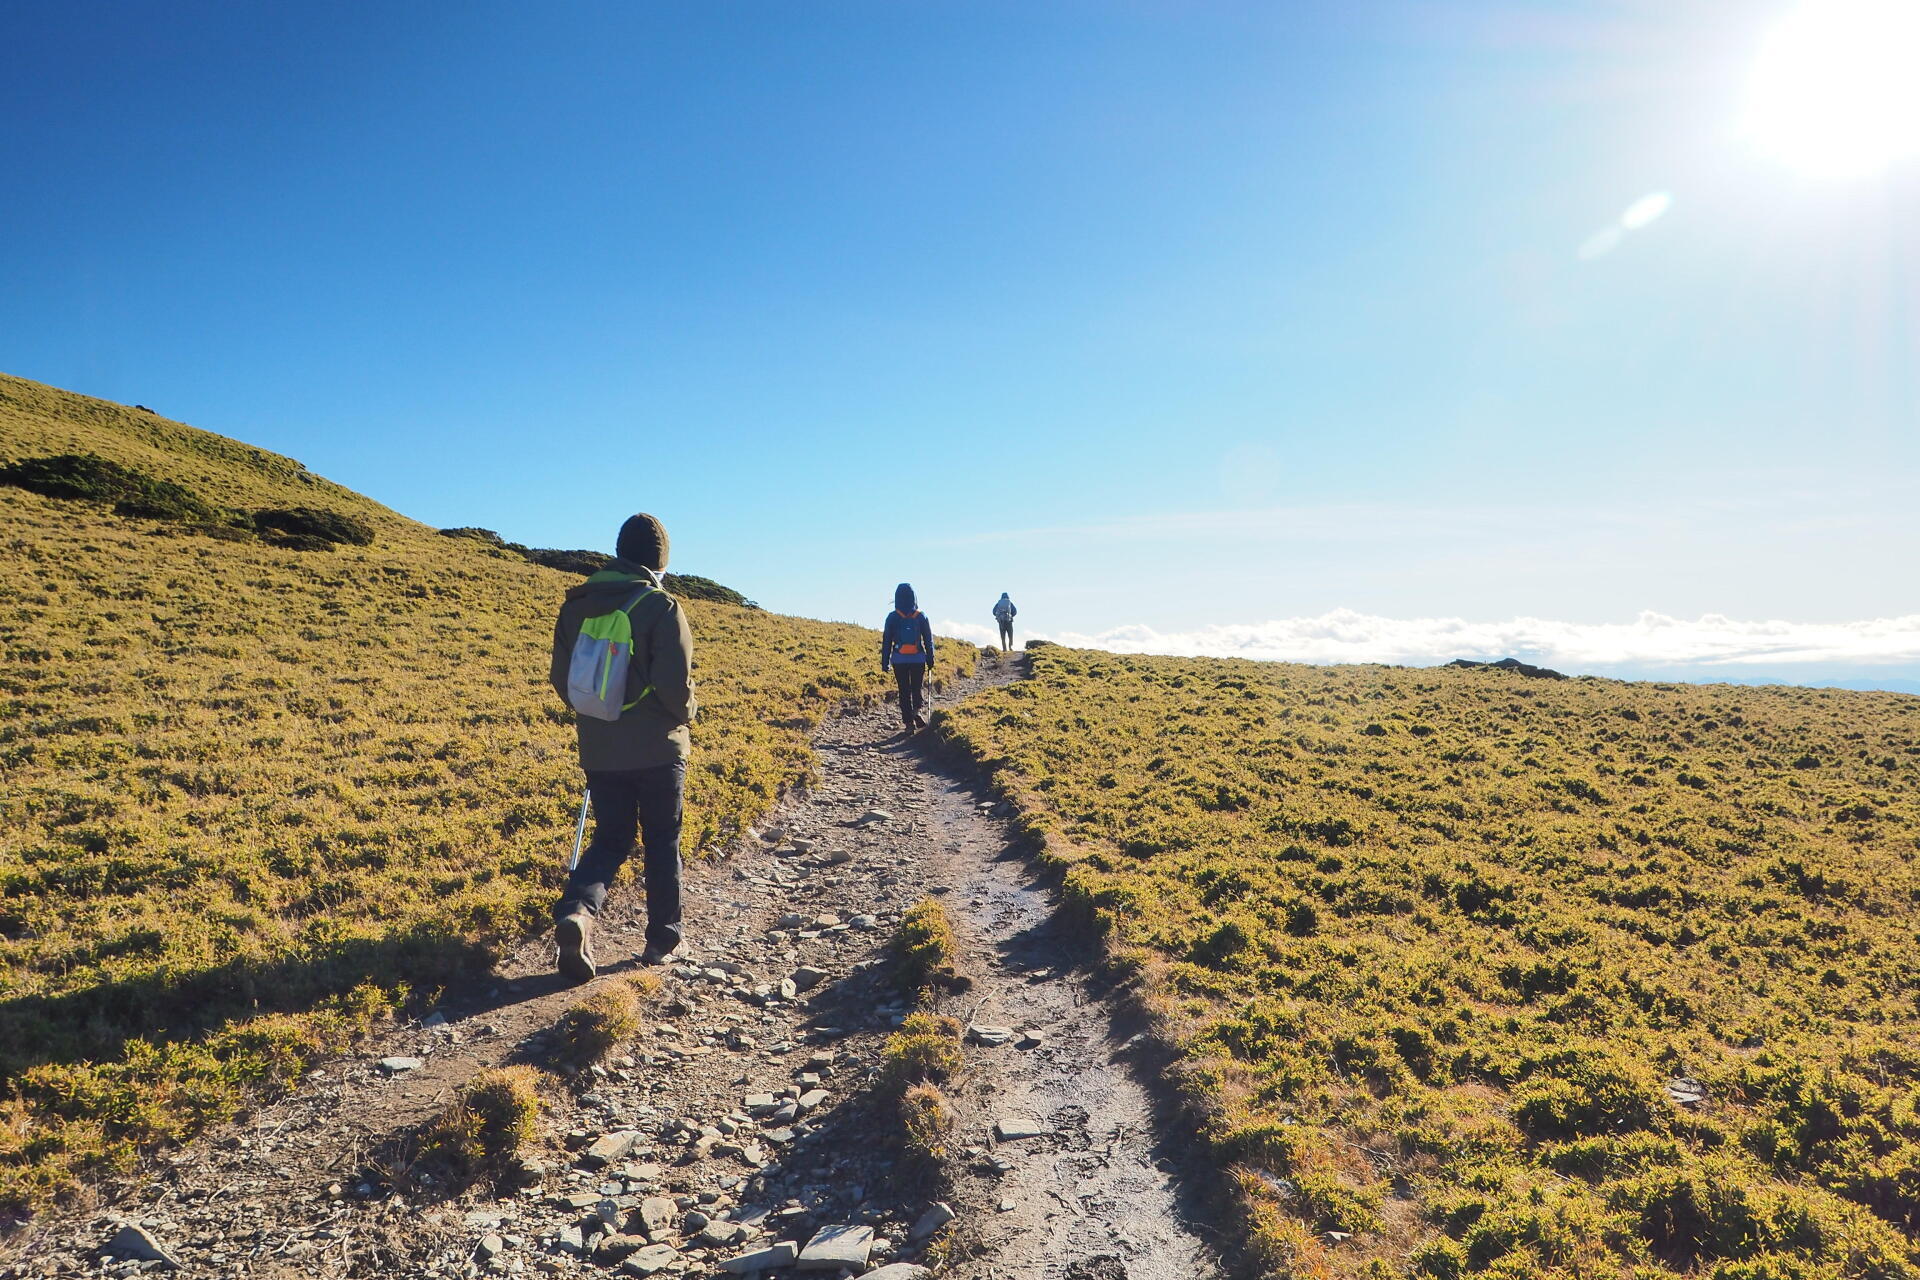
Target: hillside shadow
<point x="96" y="1023"/>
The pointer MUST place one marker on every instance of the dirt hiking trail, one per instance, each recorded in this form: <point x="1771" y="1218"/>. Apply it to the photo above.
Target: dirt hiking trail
<point x="742" y="1125"/>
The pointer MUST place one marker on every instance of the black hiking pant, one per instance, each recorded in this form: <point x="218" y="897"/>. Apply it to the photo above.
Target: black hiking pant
<point x="912" y="679"/>
<point x="648" y="803"/>
<point x="1006" y="633"/>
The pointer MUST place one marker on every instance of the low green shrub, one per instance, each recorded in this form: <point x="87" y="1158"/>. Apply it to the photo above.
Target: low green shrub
<point x="923" y="949"/>
<point x="497" y="1113"/>
<point x="302" y="527"/>
<point x="589" y="1030"/>
<point x="926" y="1123"/>
<point x="92" y="478"/>
<point x="925" y="1049"/>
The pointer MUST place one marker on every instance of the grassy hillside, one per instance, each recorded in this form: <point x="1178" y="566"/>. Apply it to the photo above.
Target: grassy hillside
<point x="1478" y="974"/>
<point x="250" y="795"/>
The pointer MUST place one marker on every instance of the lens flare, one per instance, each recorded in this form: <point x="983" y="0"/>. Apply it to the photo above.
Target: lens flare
<point x="1835" y="92"/>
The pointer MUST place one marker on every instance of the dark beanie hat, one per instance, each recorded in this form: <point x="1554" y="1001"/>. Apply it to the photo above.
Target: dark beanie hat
<point x="643" y="540"/>
<point x="903" y="598"/>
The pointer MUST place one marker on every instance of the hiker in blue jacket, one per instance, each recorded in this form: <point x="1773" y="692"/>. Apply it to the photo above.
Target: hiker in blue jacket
<point x="906" y="645"/>
<point x="1003" y="612"/>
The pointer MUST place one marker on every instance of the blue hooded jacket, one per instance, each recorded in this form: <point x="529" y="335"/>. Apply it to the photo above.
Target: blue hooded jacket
<point x="906" y="636"/>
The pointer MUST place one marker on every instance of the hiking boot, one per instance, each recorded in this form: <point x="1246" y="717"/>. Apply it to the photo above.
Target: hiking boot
<point x="574" y="935"/>
<point x="657" y="954"/>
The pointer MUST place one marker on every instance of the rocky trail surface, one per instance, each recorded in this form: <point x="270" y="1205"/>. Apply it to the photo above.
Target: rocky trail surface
<point x="740" y="1131"/>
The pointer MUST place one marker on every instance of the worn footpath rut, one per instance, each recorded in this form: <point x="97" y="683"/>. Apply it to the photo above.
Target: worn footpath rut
<point x="741" y="1130"/>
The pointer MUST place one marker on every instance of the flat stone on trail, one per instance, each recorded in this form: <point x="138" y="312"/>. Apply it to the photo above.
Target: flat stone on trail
<point x="657" y="1214"/>
<point x="932" y="1220"/>
<point x="1020" y="1125"/>
<point x="655" y="1257"/>
<point x="898" y="1271"/>
<point x="719" y="1235"/>
<point x="806" y="977"/>
<point x="835" y="1247"/>
<point x="872" y="816"/>
<point x="618" y="1248"/>
<point x="991" y="1037"/>
<point x="779" y="1255"/>
<point x="760" y="1103"/>
<point x="134" y="1242"/>
<point x="609" y="1147"/>
<point x="791" y="920"/>
<point x="395" y="1066"/>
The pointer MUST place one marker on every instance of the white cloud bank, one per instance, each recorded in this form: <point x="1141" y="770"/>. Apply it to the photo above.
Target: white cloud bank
<point x="1719" y="647"/>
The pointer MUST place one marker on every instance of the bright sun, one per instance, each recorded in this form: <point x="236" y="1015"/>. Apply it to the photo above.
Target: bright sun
<point x="1836" y="89"/>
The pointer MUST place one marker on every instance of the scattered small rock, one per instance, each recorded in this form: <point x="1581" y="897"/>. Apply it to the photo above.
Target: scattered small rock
<point x="131" y="1241"/>
<point x="1018" y="1126"/>
<point x="655" y="1257"/>
<point x="608" y="1148"/>
<point x="835" y="1247"/>
<point x="1687" y="1092"/>
<point x="779" y="1255"/>
<point x="396" y="1066"/>
<point x="932" y="1220"/>
<point x="618" y="1247"/>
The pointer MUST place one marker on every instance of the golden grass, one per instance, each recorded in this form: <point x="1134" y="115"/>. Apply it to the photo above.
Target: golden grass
<point x="250" y="797"/>
<point x="497" y="1113"/>
<point x="926" y="1049"/>
<point x="590" y="1029"/>
<point x="926" y="1124"/>
<point x="1443" y="950"/>
<point x="923" y="949"/>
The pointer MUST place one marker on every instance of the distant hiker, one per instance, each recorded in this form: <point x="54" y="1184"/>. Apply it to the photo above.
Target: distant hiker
<point x="1003" y="613"/>
<point x="906" y="645"/>
<point x="633" y="738"/>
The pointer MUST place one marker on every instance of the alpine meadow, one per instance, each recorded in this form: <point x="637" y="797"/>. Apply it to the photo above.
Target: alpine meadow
<point x="276" y="761"/>
<point x="1464" y="971"/>
<point x="1479" y="974"/>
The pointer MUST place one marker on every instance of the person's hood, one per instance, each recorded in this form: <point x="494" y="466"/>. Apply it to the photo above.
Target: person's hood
<point x="1003" y="595"/>
<point x="615" y="583"/>
<point x="903" y="598"/>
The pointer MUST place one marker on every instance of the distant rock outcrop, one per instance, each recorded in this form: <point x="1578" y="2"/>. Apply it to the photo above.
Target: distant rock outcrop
<point x="1512" y="664"/>
<point x="688" y="586"/>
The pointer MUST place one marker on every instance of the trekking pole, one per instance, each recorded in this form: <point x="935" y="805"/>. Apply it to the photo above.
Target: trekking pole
<point x="580" y="830"/>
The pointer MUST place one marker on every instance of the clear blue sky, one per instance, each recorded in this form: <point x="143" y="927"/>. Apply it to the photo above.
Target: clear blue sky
<point x="1164" y="314"/>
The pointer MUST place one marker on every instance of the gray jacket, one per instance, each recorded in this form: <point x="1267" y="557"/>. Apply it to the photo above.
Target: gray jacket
<point x="654" y="731"/>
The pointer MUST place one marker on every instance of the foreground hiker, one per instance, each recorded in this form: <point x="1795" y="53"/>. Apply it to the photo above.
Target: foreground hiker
<point x="1003" y="613"/>
<point x="906" y="645"/>
<point x="623" y="660"/>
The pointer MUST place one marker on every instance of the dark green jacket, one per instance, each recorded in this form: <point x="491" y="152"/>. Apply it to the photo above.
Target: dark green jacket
<point x="654" y="732"/>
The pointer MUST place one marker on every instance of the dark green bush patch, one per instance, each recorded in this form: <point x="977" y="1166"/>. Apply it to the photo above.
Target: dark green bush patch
<point x="310" y="528"/>
<point x="581" y="562"/>
<point x="88" y="477"/>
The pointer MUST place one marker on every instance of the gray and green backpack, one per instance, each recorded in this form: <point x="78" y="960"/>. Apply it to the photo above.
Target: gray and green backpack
<point x="597" y="676"/>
